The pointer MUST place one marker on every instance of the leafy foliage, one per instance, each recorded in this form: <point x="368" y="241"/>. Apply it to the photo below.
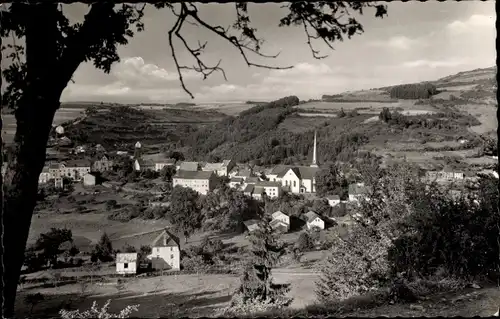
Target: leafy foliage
<point x="413" y="91"/>
<point x="103" y="251"/>
<point x="185" y="212"/>
<point x="329" y="181"/>
<point x="51" y="241"/>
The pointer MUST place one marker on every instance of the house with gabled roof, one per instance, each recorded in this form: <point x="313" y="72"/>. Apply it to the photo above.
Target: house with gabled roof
<point x="314" y="221"/>
<point x="126" y="263"/>
<point x="188" y="166"/>
<point x="221" y="169"/>
<point x="159" y="165"/>
<point x="44" y="176"/>
<point x="280" y="221"/>
<point x="252" y="225"/>
<point x="333" y="200"/>
<point x="102" y="163"/>
<point x="143" y="164"/>
<point x="165" y="252"/>
<point x="200" y="181"/>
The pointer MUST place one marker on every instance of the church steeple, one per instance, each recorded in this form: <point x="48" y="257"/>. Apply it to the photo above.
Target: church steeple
<point x="314" y="161"/>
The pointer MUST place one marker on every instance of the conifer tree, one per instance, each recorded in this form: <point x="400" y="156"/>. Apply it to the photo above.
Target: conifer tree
<point x="257" y="291"/>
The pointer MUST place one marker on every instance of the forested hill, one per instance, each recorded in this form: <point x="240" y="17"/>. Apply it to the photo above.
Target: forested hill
<point x="259" y="135"/>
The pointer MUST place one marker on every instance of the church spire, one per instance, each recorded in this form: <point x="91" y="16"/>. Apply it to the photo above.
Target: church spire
<point x="314" y="161"/>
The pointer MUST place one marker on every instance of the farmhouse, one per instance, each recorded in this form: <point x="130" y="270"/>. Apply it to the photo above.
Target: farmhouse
<point x="161" y="164"/>
<point x="314" y="221"/>
<point x="166" y="252"/>
<point x="259" y="189"/>
<point x="90" y="179"/>
<point x="280" y="221"/>
<point x="45" y="175"/>
<point x="188" y="166"/>
<point x="126" y="263"/>
<point x="333" y="200"/>
<point x="358" y="191"/>
<point x="202" y="182"/>
<point x="75" y="169"/>
<point x="58" y="182"/>
<point x="221" y="169"/>
<point x="102" y="164"/>
<point x="236" y="182"/>
<point x="143" y="165"/>
<point x="445" y="175"/>
<point x="241" y="173"/>
<point x="252" y="225"/>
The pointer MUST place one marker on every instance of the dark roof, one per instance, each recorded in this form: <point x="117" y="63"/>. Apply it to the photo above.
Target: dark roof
<point x="248" y="189"/>
<point x="145" y="162"/>
<point x="244" y="173"/>
<point x="311" y="216"/>
<point x="333" y="197"/>
<point x="78" y="163"/>
<point x="193" y="174"/>
<point x="252" y="180"/>
<point x="302" y="172"/>
<point x="258" y="190"/>
<point x="236" y="180"/>
<point x="251" y="222"/>
<point x="189" y="166"/>
<point x="267" y="184"/>
<point x="166" y="239"/>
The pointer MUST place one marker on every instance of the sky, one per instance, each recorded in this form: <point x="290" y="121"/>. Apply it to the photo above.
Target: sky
<point x="417" y="41"/>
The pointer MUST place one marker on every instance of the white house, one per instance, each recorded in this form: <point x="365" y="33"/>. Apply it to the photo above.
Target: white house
<point x="202" y="182"/>
<point x="165" y="252"/>
<point x="45" y="175"/>
<point x="257" y="190"/>
<point x="241" y="173"/>
<point x="314" y="221"/>
<point x="126" y="263"/>
<point x="74" y="169"/>
<point x="333" y="200"/>
<point x="89" y="179"/>
<point x="221" y="169"/>
<point x="447" y="174"/>
<point x="161" y="164"/>
<point x="236" y="182"/>
<point x="143" y="164"/>
<point x="280" y="220"/>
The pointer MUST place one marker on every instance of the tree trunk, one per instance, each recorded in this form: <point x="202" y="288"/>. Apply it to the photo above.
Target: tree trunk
<point x="34" y="115"/>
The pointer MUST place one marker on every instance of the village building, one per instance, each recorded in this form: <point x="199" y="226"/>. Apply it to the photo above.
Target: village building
<point x="344" y="221"/>
<point x="280" y="221"/>
<point x="159" y="165"/>
<point x="126" y="263"/>
<point x="45" y="175"/>
<point x="314" y="221"/>
<point x="202" y="182"/>
<point x="259" y="189"/>
<point x="188" y="166"/>
<point x="221" y="169"/>
<point x="251" y="225"/>
<point x="236" y="182"/>
<point x="141" y="165"/>
<point x="241" y="173"/>
<point x="58" y="182"/>
<point x="297" y="179"/>
<point x="165" y="252"/>
<point x="447" y="174"/>
<point x="333" y="200"/>
<point x="358" y="191"/>
<point x="102" y="164"/>
<point x="90" y="179"/>
<point x="74" y="169"/>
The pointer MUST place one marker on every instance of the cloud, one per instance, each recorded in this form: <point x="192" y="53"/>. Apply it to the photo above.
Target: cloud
<point x="396" y="42"/>
<point x="471" y="24"/>
<point x="133" y="71"/>
<point x="435" y="64"/>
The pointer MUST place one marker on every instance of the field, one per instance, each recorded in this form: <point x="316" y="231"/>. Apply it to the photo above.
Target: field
<point x="364" y="107"/>
<point x="62" y="115"/>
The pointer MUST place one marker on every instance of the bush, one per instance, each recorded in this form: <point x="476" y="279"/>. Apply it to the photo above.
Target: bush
<point x="94" y="312"/>
<point x="304" y="242"/>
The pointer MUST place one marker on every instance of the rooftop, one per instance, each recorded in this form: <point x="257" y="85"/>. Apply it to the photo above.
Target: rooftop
<point x="188" y="174"/>
<point x="126" y="257"/>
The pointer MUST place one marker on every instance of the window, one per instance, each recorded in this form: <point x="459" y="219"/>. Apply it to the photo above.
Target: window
<point x="294" y="183"/>
<point x="158" y="250"/>
<point x="125" y="265"/>
<point x="171" y="248"/>
<point x="172" y="256"/>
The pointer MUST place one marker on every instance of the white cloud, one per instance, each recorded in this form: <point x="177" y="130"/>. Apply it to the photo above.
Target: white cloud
<point x="470" y="25"/>
<point x="435" y="64"/>
<point x="396" y="42"/>
<point x="135" y="72"/>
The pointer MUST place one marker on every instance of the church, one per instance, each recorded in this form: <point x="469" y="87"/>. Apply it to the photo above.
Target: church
<point x="298" y="179"/>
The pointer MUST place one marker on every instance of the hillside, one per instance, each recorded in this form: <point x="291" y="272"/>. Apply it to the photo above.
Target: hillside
<point x="459" y="108"/>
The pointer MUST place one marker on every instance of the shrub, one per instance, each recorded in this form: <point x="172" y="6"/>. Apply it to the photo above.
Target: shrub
<point x="304" y="242"/>
<point x="94" y="312"/>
